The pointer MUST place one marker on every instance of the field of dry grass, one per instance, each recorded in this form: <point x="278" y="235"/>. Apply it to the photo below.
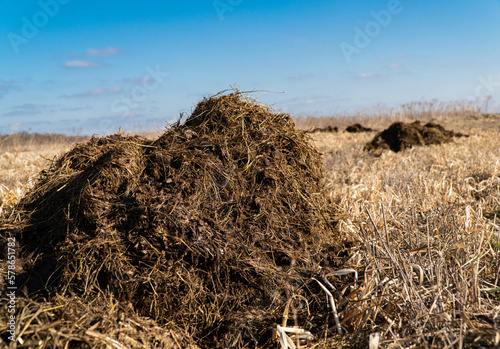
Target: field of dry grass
<point x="426" y="222"/>
<point x="22" y="157"/>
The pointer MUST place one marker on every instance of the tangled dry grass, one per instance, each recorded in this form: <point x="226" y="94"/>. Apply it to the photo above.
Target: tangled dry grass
<point x="424" y="274"/>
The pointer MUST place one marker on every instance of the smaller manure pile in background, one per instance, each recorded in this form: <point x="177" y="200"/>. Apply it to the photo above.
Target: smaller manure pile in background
<point x="357" y="128"/>
<point x="202" y="237"/>
<point x="401" y="135"/>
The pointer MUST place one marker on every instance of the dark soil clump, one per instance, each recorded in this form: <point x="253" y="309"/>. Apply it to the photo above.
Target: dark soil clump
<point x="211" y="227"/>
<point x="331" y="129"/>
<point x="357" y="128"/>
<point x="400" y="136"/>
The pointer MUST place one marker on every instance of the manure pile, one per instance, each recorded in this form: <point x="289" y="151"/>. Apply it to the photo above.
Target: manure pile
<point x="331" y="129"/>
<point x="400" y="136"/>
<point x="357" y="128"/>
<point x="206" y="232"/>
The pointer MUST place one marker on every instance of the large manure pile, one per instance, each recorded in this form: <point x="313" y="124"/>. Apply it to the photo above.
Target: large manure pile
<point x="400" y="136"/>
<point x="212" y="227"/>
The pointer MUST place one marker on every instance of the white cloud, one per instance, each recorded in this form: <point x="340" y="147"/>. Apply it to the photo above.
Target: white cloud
<point x="115" y="89"/>
<point x="366" y="75"/>
<point x="92" y="52"/>
<point x="395" y="65"/>
<point x="94" y="93"/>
<point x="82" y="64"/>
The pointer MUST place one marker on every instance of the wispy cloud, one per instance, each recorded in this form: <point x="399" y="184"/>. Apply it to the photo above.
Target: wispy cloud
<point x="313" y="99"/>
<point x="8" y="82"/>
<point x="6" y="86"/>
<point x="395" y="65"/>
<point x="400" y="54"/>
<point x="23" y="110"/>
<point x="115" y="89"/>
<point x="26" y="106"/>
<point x="367" y="75"/>
<point x="92" y="52"/>
<point x="139" y="81"/>
<point x="4" y="89"/>
<point x="91" y="93"/>
<point x="94" y="93"/>
<point x="82" y="64"/>
<point x="87" y="107"/>
<point x="300" y="77"/>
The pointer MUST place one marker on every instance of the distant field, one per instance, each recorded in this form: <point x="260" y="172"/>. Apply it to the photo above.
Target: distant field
<point x="426" y="220"/>
<point x="23" y="156"/>
<point x="26" y="141"/>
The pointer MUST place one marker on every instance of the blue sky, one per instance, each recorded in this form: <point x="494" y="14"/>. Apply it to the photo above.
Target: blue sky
<point x="91" y="66"/>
